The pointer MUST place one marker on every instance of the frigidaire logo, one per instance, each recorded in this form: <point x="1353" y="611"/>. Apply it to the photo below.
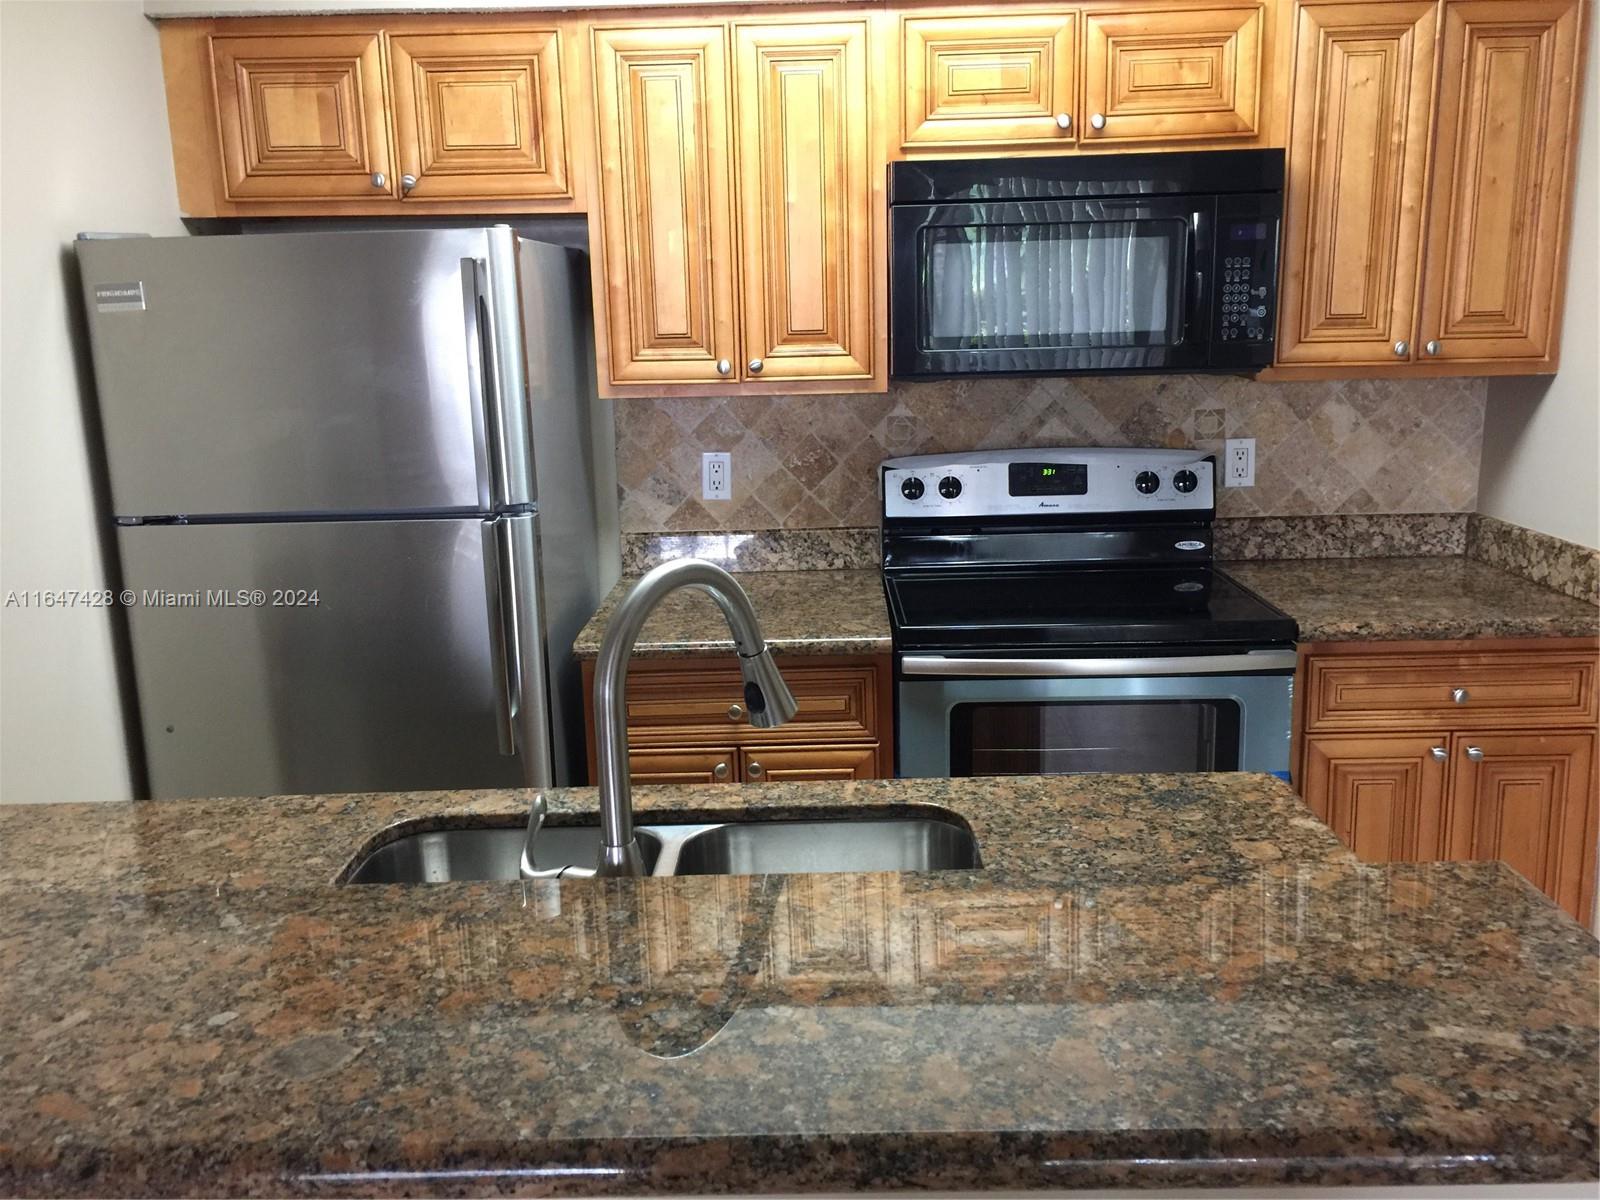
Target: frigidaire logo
<point x="119" y="297"/>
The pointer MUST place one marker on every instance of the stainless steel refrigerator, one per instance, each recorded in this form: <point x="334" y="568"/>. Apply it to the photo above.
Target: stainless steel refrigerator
<point x="364" y="499"/>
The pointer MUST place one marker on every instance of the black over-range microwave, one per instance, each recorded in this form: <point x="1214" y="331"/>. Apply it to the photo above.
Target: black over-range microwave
<point x="1088" y="262"/>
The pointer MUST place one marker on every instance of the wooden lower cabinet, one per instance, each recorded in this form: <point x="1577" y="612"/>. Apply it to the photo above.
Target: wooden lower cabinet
<point x="683" y="766"/>
<point x="796" y="764"/>
<point x="1462" y="751"/>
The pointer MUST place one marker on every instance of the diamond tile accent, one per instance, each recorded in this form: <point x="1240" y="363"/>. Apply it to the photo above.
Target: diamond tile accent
<point x="809" y="462"/>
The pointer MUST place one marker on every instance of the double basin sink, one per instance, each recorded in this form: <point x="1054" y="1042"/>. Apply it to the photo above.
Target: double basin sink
<point x="742" y="848"/>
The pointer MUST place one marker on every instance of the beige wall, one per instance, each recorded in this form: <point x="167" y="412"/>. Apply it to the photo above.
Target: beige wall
<point x="1541" y="437"/>
<point x="84" y="136"/>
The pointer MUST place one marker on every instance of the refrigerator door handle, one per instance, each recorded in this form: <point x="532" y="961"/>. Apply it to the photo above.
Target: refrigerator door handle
<point x="483" y="356"/>
<point x="500" y="588"/>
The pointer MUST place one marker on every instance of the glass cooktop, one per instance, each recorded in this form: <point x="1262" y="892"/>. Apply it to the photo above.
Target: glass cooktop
<point x="1049" y="608"/>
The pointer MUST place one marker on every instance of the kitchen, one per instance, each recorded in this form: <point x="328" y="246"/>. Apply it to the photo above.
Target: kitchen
<point x="1014" y="975"/>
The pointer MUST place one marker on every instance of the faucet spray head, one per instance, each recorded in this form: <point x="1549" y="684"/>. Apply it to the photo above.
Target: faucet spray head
<point x="767" y="697"/>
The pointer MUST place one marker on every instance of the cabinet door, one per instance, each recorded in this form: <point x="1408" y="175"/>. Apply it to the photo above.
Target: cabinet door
<point x="1358" y="158"/>
<point x="716" y="765"/>
<point x="999" y="79"/>
<point x="665" y="274"/>
<point x="480" y="115"/>
<point x="1383" y="795"/>
<point x="1184" y="73"/>
<point x="1528" y="799"/>
<point x="1502" y="181"/>
<point x="806" y="200"/>
<point x="793" y="764"/>
<point x="302" y="116"/>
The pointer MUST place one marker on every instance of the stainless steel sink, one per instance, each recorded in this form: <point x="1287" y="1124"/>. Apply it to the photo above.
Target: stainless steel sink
<point x="805" y="847"/>
<point x="745" y="848"/>
<point x="461" y="854"/>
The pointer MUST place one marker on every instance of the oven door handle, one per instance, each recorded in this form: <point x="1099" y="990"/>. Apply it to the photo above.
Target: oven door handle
<point x="1070" y="668"/>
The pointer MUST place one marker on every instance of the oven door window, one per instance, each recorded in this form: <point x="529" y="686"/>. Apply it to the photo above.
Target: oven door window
<point x="1069" y="284"/>
<point x="1076" y="736"/>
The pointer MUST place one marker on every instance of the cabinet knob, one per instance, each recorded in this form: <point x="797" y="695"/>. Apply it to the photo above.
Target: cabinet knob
<point x="720" y="771"/>
<point x="735" y="712"/>
<point x="407" y="182"/>
<point x="724" y="367"/>
<point x="1439" y="753"/>
<point x="1063" y="120"/>
<point x="755" y="366"/>
<point x="1098" y="120"/>
<point x="754" y="769"/>
<point x="379" y="179"/>
<point x="1475" y="753"/>
<point x="1401" y="349"/>
<point x="1460" y="695"/>
<point x="1433" y="347"/>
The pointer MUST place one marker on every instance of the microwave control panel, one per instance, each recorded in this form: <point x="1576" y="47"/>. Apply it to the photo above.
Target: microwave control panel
<point x="1247" y="254"/>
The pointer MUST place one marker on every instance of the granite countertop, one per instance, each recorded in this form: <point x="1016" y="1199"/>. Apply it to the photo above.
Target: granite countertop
<point x="1344" y="599"/>
<point x="1152" y="981"/>
<point x="802" y="612"/>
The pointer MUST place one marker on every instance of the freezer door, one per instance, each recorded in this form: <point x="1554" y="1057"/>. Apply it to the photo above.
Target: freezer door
<point x="320" y="657"/>
<point x="308" y="372"/>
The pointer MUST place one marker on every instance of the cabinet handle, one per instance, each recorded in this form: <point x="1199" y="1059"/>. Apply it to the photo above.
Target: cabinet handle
<point x="1433" y="348"/>
<point x="379" y="179"/>
<point x="735" y="712"/>
<point x="1439" y="753"/>
<point x="724" y="367"/>
<point x="1475" y="753"/>
<point x="1098" y="121"/>
<point x="1460" y="695"/>
<point x="1063" y="120"/>
<point x="720" y="771"/>
<point x="755" y="366"/>
<point x="755" y="770"/>
<point x="407" y="182"/>
<point x="1401" y="349"/>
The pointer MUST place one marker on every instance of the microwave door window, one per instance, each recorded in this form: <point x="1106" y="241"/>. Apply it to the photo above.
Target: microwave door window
<point x="1087" y="284"/>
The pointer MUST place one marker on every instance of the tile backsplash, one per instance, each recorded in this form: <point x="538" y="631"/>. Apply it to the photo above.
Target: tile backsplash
<point x="809" y="462"/>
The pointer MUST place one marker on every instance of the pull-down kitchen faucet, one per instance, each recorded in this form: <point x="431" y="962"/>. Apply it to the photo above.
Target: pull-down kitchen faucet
<point x="766" y="697"/>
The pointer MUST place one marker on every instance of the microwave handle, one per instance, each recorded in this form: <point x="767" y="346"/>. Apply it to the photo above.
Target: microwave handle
<point x="1197" y="281"/>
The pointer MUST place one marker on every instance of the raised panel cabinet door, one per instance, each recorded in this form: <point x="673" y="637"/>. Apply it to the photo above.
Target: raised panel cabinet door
<point x="1528" y="799"/>
<point x="794" y="764"/>
<point x="806" y="200"/>
<point x="665" y="274"/>
<point x="716" y="765"/>
<point x="1184" y="73"/>
<point x="1502" y="180"/>
<point x="302" y="116"/>
<point x="480" y="115"/>
<point x="1358" y="167"/>
<point x="1383" y="795"/>
<point x="996" y="79"/>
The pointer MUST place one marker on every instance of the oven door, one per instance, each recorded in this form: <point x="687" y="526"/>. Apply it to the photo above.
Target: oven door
<point x="960" y="717"/>
<point x="1051" y="285"/>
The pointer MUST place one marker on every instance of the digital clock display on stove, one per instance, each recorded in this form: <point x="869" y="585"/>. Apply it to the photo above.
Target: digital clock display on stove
<point x="1049" y="479"/>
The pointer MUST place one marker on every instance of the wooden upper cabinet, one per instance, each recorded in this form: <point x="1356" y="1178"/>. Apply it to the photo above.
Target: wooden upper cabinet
<point x="996" y="78"/>
<point x="1525" y="799"/>
<point x="1382" y="794"/>
<point x="301" y="117"/>
<point x="1172" y="74"/>
<point x="479" y="114"/>
<point x="806" y="200"/>
<point x="666" y="276"/>
<point x="1503" y="179"/>
<point x="1358" y="167"/>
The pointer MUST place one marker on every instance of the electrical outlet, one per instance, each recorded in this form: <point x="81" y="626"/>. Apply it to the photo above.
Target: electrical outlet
<point x="716" y="475"/>
<point x="1239" y="462"/>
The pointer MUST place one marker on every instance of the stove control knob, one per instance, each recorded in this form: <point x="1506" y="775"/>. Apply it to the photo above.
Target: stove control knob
<point x="912" y="488"/>
<point x="1147" y="481"/>
<point x="1186" y="481"/>
<point x="949" y="487"/>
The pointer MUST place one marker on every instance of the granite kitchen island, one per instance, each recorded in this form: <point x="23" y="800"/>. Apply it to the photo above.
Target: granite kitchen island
<point x="1151" y="981"/>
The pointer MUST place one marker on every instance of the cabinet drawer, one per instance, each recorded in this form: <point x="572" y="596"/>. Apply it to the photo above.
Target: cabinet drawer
<point x="715" y="765"/>
<point x="795" y="764"/>
<point x="697" y="705"/>
<point x="1452" y="691"/>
